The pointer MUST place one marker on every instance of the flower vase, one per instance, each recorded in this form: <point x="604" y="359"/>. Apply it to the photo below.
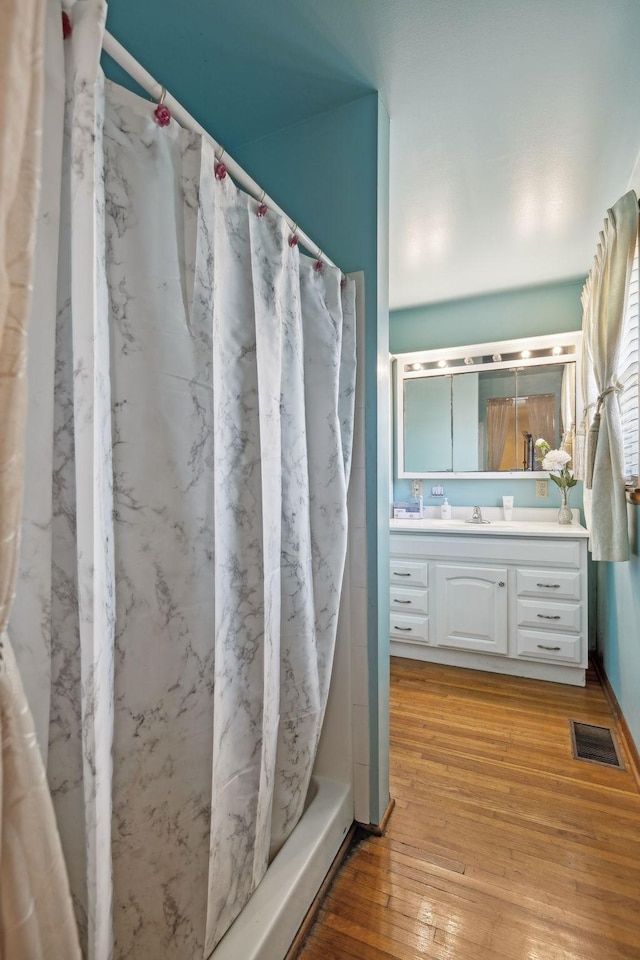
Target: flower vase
<point x="564" y="513"/>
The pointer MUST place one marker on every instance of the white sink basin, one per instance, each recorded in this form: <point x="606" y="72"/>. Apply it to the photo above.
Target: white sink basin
<point x="434" y="523"/>
<point x="548" y="526"/>
<point x="503" y="524"/>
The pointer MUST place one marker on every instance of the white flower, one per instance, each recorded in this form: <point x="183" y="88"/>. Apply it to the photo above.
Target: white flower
<point x="556" y="460"/>
<point x="541" y="442"/>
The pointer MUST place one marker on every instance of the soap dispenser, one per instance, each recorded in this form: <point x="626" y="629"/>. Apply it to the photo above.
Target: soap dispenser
<point x="445" y="510"/>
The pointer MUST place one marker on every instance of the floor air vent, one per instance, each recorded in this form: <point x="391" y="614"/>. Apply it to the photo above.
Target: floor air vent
<point x="595" y="744"/>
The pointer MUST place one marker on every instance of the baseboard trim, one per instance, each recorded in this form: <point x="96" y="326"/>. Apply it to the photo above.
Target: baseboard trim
<point x="379" y="829"/>
<point x="311" y="914"/>
<point x="623" y="730"/>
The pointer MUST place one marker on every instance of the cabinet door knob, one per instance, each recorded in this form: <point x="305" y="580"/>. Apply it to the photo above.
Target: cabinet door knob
<point x="501" y="583"/>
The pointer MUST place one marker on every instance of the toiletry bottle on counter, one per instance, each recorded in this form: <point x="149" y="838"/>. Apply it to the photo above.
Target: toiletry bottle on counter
<point x="445" y="510"/>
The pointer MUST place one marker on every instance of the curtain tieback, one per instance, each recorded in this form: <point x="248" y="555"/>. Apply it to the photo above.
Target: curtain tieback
<point x="594" y="431"/>
<point x="615" y="387"/>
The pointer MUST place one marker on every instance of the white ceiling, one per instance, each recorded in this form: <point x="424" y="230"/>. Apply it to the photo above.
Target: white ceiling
<point x="514" y="125"/>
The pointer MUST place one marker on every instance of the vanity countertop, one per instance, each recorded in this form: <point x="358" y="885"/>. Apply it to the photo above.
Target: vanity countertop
<point x="496" y="528"/>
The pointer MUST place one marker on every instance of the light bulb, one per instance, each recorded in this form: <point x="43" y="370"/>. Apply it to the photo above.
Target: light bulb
<point x="416" y="366"/>
<point x="497" y="357"/>
<point x="442" y="363"/>
<point x="557" y="351"/>
<point x="525" y="354"/>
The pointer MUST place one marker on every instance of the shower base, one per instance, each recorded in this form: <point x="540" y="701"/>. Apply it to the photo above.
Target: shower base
<point x="267" y="925"/>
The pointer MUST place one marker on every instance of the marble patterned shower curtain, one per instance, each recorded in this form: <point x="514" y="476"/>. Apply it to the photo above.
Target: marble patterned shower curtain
<point x="188" y="577"/>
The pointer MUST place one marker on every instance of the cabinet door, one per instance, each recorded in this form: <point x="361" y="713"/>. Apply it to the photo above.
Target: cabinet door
<point x="471" y="608"/>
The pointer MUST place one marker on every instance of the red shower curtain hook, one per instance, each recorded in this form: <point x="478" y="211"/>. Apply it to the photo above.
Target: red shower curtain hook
<point x="162" y="114"/>
<point x="263" y="208"/>
<point x="220" y="168"/>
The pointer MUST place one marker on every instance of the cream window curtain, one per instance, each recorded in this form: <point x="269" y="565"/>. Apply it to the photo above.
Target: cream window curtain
<point x="36" y="916"/>
<point x="567" y="409"/>
<point x="20" y="111"/>
<point x="604" y="300"/>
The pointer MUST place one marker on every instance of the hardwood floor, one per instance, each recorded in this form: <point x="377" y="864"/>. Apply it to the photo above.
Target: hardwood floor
<point x="501" y="846"/>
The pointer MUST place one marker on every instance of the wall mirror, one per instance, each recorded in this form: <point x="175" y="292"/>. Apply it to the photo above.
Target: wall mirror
<point x="478" y="410"/>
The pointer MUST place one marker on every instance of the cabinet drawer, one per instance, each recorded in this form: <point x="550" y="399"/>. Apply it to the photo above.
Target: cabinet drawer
<point x="541" y="645"/>
<point x="409" y="599"/>
<point x="547" y="615"/>
<point x="412" y="629"/>
<point x="559" y="584"/>
<point x="404" y="572"/>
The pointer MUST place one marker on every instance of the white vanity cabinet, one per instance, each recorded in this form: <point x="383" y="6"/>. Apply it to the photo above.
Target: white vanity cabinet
<point x="511" y="603"/>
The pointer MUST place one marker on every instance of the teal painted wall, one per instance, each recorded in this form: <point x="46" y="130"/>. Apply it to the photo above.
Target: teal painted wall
<point x="330" y="173"/>
<point x="618" y="627"/>
<point x="298" y="165"/>
<point x="528" y="312"/>
<point x="244" y="68"/>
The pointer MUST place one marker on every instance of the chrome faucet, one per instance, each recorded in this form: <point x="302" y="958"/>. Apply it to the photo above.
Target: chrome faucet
<point x="476" y="516"/>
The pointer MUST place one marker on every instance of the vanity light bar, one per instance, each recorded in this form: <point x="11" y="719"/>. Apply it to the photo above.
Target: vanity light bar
<point x="517" y="357"/>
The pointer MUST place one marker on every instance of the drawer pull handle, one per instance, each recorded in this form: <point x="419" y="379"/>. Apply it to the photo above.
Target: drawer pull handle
<point x="395" y="600"/>
<point x="409" y="630"/>
<point x="547" y="616"/>
<point x="541" y="646"/>
<point x="396" y="574"/>
<point x="552" y="586"/>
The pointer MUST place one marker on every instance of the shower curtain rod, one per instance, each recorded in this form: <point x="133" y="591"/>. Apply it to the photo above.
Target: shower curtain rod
<point x="138" y="73"/>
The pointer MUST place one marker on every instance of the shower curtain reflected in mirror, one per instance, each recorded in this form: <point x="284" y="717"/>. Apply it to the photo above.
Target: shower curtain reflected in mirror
<point x="511" y="418"/>
<point x="499" y="418"/>
<point x="189" y="579"/>
<point x="541" y="411"/>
